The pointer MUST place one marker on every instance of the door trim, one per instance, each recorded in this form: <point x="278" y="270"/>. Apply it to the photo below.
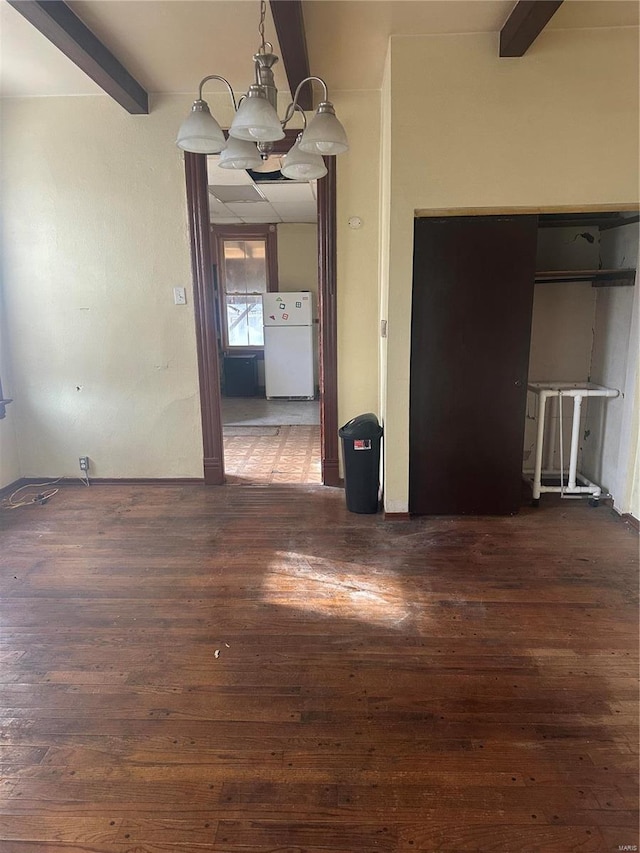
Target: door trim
<point x="205" y="319"/>
<point x="524" y="209"/>
<point x="204" y="311"/>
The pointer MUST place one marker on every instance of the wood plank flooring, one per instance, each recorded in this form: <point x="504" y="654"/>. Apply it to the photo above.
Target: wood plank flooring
<point x="244" y="670"/>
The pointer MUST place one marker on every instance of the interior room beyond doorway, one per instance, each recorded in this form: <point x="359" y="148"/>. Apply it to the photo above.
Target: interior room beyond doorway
<point x="265" y="255"/>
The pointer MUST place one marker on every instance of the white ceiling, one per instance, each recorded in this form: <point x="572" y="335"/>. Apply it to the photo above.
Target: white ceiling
<point x="280" y="201"/>
<point x="348" y="39"/>
<point x="169" y="45"/>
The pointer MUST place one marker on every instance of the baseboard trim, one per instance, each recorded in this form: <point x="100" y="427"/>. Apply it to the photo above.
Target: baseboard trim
<point x="397" y="516"/>
<point x="113" y="481"/>
<point x="631" y="520"/>
<point x="331" y="473"/>
<point x="213" y="471"/>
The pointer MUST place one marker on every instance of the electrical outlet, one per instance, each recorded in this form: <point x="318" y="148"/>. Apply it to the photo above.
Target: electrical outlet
<point x="84" y="463"/>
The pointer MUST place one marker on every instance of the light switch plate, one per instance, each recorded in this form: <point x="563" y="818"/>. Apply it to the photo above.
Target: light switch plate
<point x="179" y="296"/>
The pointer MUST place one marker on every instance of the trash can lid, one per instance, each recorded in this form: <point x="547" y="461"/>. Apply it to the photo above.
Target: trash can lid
<point x="362" y="426"/>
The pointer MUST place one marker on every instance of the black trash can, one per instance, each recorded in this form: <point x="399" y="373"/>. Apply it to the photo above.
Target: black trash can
<point x="361" y="438"/>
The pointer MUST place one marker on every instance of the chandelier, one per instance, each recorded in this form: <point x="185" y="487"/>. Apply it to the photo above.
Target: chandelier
<point x="256" y="125"/>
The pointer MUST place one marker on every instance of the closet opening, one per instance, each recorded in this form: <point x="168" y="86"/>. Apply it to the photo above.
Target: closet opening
<point x="508" y="309"/>
<point x="583" y="355"/>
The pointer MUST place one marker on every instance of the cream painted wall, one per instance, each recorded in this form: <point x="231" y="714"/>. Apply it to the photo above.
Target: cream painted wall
<point x="561" y="329"/>
<point x="562" y="332"/>
<point x="633" y="463"/>
<point x="94" y="240"/>
<point x="385" y="224"/>
<point x="9" y="460"/>
<point x="298" y="268"/>
<point x="468" y="129"/>
<point x="568" y="248"/>
<point x="612" y="326"/>
<point x="611" y="450"/>
<point x="357" y="251"/>
<point x="630" y="430"/>
<point x="298" y="258"/>
<point x="561" y="344"/>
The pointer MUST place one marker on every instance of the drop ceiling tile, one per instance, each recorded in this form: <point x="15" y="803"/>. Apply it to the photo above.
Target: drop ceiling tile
<point x="218" y="207"/>
<point x="289" y="192"/>
<point x="297" y="212"/>
<point x="237" y="194"/>
<point x="264" y="220"/>
<point x="261" y="209"/>
<point x="225" y="177"/>
<point x="226" y="220"/>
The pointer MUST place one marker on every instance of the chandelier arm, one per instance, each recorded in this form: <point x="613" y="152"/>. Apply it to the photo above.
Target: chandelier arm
<point x="294" y="104"/>
<point x="225" y="81"/>
<point x="302" y="113"/>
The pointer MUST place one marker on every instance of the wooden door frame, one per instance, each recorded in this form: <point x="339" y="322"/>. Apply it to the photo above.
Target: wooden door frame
<point x="204" y="311"/>
<point x="439" y="212"/>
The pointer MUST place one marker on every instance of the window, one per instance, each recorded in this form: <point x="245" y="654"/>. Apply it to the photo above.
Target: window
<point x="244" y="281"/>
<point x="246" y="265"/>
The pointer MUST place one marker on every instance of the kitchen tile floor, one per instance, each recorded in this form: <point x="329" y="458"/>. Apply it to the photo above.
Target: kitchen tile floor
<point x="271" y="441"/>
<point x="290" y="456"/>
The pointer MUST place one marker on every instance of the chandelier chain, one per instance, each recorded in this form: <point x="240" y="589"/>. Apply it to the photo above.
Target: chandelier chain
<point x="256" y="124"/>
<point x="263" y="13"/>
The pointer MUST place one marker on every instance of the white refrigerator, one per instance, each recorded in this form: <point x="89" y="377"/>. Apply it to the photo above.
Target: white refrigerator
<point x="288" y="344"/>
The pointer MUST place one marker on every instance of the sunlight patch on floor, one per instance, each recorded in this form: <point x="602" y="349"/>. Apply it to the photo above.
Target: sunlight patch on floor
<point x="336" y="590"/>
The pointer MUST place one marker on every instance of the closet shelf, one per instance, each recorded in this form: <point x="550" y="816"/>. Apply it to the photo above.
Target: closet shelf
<point x="598" y="278"/>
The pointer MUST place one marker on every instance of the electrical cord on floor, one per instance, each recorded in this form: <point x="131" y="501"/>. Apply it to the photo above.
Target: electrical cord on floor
<point x="40" y="497"/>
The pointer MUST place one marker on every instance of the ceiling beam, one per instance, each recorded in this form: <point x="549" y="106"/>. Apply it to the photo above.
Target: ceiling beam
<point x="524" y="25"/>
<point x="55" y="20"/>
<point x="289" y="23"/>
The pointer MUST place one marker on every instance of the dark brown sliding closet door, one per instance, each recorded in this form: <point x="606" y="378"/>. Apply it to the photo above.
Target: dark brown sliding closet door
<point x="473" y="281"/>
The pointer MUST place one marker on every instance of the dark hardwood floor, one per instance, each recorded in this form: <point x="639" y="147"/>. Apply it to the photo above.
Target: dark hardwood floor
<point x="244" y="670"/>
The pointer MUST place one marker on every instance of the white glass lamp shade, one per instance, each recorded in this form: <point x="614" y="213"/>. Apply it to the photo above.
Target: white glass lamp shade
<point x="239" y="154"/>
<point x="301" y="166"/>
<point x="256" y="120"/>
<point x="324" y="133"/>
<point x="200" y="133"/>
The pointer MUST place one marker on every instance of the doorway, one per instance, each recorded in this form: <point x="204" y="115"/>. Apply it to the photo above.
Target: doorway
<point x="266" y="289"/>
<point x="208" y="319"/>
